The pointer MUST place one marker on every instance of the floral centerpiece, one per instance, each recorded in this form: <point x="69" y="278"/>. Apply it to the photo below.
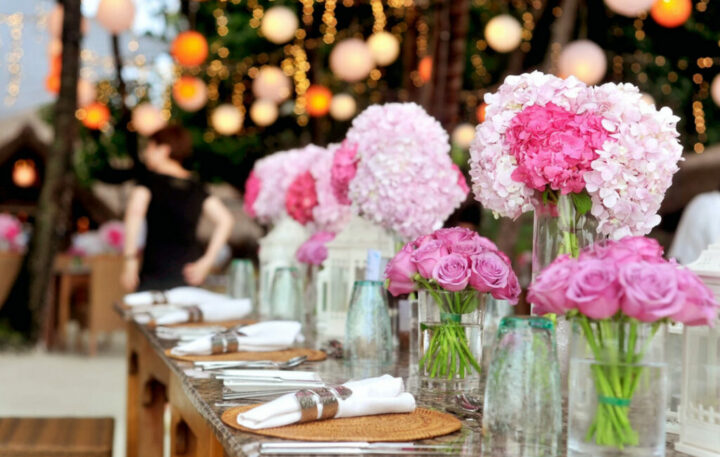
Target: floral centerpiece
<point x="452" y="266"/>
<point x="12" y="237"/>
<point x="112" y="234"/>
<point x="619" y="294"/>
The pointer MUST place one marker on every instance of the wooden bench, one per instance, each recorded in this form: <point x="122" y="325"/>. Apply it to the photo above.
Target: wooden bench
<point x="56" y="437"/>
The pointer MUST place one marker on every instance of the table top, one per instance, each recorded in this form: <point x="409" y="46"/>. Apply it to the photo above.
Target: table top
<point x="205" y="393"/>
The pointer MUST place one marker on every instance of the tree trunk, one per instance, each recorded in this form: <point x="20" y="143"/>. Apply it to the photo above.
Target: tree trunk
<point x="459" y="17"/>
<point x="24" y="309"/>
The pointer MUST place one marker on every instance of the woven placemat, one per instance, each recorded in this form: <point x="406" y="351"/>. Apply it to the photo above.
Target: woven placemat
<point x="421" y="424"/>
<point x="275" y="356"/>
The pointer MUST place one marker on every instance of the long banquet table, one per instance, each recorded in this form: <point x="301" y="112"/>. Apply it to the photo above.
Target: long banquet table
<point x="196" y="429"/>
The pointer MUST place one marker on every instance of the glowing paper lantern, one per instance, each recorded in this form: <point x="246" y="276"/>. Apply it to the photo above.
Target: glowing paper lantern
<point x="52" y="83"/>
<point x="463" y="135"/>
<point x="318" y="99"/>
<point x="630" y="8"/>
<point x="94" y="116"/>
<point x="384" y="47"/>
<point x="671" y="13"/>
<point x="85" y="92"/>
<point x="279" y="24"/>
<point x="425" y="69"/>
<point x="342" y="107"/>
<point x="480" y="113"/>
<point x="116" y="15"/>
<point x="271" y="84"/>
<point x="583" y="59"/>
<point x="54" y="47"/>
<point x="190" y="93"/>
<point x="351" y="60"/>
<point x="263" y="112"/>
<point x="55" y="22"/>
<point x="503" y="33"/>
<point x="647" y="98"/>
<point x="189" y="48"/>
<point x="24" y="173"/>
<point x="715" y="90"/>
<point x="227" y="119"/>
<point x="147" y="119"/>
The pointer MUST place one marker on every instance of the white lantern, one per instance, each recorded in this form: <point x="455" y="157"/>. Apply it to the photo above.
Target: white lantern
<point x="116" y="15"/>
<point x="226" y="119"/>
<point x="647" y="98"/>
<point x="384" y="47"/>
<point x="86" y="92"/>
<point x="715" y="90"/>
<point x="279" y="24"/>
<point x="55" y="22"/>
<point x="263" y="112"/>
<point x="351" y="60"/>
<point x="271" y="84"/>
<point x="700" y="398"/>
<point x="630" y="8"/>
<point x="463" y="135"/>
<point x="583" y="59"/>
<point x="147" y="119"/>
<point x="345" y="264"/>
<point x="503" y="33"/>
<point x="342" y="107"/>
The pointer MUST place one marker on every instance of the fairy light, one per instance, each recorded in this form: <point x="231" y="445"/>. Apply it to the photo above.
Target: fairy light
<point x="422" y="37"/>
<point x="638" y="24"/>
<point x="379" y="15"/>
<point x="307" y="11"/>
<point x="301" y="66"/>
<point x="617" y="65"/>
<point x="258" y="12"/>
<point x="14" y="57"/>
<point x="330" y="22"/>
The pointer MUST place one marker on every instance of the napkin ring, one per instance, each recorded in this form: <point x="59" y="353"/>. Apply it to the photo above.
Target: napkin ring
<point x="311" y="399"/>
<point x="223" y="343"/>
<point x="194" y="314"/>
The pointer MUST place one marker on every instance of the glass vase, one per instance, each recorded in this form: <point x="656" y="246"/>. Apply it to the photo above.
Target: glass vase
<point x="368" y="332"/>
<point x="617" y="389"/>
<point x="522" y="413"/>
<point x="450" y="340"/>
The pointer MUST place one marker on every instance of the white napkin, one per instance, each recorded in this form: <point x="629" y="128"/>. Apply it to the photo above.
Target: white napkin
<point x="215" y="311"/>
<point x="262" y="337"/>
<point x="382" y="395"/>
<point x="178" y="296"/>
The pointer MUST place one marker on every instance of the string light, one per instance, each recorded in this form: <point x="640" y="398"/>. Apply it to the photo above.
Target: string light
<point x="379" y="15"/>
<point x="307" y="10"/>
<point x="330" y="22"/>
<point x="14" y="57"/>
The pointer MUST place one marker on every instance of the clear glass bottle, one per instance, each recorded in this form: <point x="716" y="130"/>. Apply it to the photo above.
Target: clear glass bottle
<point x="368" y="332"/>
<point x="286" y="295"/>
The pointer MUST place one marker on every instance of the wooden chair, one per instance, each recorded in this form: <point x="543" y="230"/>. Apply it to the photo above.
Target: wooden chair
<point x="56" y="437"/>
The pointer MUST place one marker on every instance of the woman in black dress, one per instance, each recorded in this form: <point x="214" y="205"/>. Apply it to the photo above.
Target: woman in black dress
<point x="171" y="200"/>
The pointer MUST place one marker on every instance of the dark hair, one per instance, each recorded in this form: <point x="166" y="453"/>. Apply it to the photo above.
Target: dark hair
<point x="177" y="138"/>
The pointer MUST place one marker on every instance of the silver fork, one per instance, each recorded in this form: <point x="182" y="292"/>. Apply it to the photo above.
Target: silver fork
<point x="292" y="363"/>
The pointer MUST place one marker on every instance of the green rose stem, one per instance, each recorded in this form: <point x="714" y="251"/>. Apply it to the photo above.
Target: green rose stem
<point x="448" y="354"/>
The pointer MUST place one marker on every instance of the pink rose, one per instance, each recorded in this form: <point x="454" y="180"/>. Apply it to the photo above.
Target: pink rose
<point x="314" y="250"/>
<point x="594" y="289"/>
<point x="427" y="256"/>
<point x="452" y="272"/>
<point x="252" y="189"/>
<point x="452" y="235"/>
<point x="422" y="240"/>
<point x="400" y="271"/>
<point x="489" y="272"/>
<point x="511" y="292"/>
<point x="344" y="168"/>
<point x="651" y="290"/>
<point x="700" y="306"/>
<point x="547" y="292"/>
<point x="629" y="249"/>
<point x="488" y="245"/>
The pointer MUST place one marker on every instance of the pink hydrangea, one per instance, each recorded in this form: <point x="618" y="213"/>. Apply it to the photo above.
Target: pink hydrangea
<point x="314" y="250"/>
<point x="330" y="214"/>
<point x="343" y="170"/>
<point x="112" y="234"/>
<point x="301" y="198"/>
<point x="252" y="189"/>
<point x="461" y="179"/>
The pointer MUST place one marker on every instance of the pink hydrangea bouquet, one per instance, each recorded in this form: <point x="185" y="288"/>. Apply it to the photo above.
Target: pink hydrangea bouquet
<point x="619" y="293"/>
<point x="452" y="265"/>
<point x="545" y="137"/>
<point x="395" y="168"/>
<point x="11" y="233"/>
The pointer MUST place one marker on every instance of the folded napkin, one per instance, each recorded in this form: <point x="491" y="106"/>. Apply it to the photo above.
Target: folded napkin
<point x="216" y="311"/>
<point x="177" y="296"/>
<point x="262" y="337"/>
<point x="366" y="397"/>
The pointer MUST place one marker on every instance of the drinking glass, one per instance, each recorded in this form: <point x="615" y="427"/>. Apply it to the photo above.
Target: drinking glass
<point x="241" y="280"/>
<point x="522" y="414"/>
<point x="368" y="332"/>
<point x="286" y="295"/>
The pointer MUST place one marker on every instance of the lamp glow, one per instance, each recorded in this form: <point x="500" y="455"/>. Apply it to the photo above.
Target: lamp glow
<point x="351" y="60"/>
<point x="271" y="84"/>
<point x="503" y="33"/>
<point x="279" y="24"/>
<point x="583" y="59"/>
<point x="263" y="112"/>
<point x="226" y="119"/>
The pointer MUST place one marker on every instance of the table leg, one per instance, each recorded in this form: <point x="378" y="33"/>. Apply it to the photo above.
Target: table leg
<point x="63" y="308"/>
<point x="190" y="434"/>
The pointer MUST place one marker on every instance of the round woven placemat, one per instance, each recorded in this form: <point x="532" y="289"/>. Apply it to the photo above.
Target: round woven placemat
<point x="275" y="356"/>
<point x="421" y="424"/>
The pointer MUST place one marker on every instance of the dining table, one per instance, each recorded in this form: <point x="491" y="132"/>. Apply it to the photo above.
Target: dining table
<point x="155" y="380"/>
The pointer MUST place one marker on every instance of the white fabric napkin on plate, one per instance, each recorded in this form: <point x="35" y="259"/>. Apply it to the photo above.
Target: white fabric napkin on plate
<point x="372" y="396"/>
<point x="215" y="311"/>
<point x="177" y="296"/>
<point x="262" y="337"/>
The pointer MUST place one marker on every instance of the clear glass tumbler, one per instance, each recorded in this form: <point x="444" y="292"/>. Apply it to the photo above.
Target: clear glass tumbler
<point x="522" y="414"/>
<point x="368" y="332"/>
<point x="286" y="295"/>
<point x="242" y="282"/>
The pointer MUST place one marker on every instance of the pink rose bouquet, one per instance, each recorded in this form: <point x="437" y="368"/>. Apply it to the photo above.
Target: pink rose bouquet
<point x="611" y="290"/>
<point x="452" y="265"/>
<point x="11" y="233"/>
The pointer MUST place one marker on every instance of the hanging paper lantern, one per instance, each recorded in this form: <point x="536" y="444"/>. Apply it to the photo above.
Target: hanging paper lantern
<point x="85" y="92"/>
<point x="190" y="93"/>
<point x="351" y="60"/>
<point x="671" y="13"/>
<point x="463" y="135"/>
<point x="279" y="24"/>
<point x="263" y="112"/>
<point x="271" y="84"/>
<point x="480" y="113"/>
<point x="647" y="98"/>
<point x="583" y="59"/>
<point x="54" y="47"/>
<point x="24" y="173"/>
<point x="342" y="107"/>
<point x="318" y="99"/>
<point x="116" y="15"/>
<point x="94" y="116"/>
<point x="385" y="48"/>
<point x="55" y="22"/>
<point x="52" y="83"/>
<point x="227" y="119"/>
<point x="147" y="119"/>
<point x="503" y="33"/>
<point x="189" y="48"/>
<point x="629" y="8"/>
<point x="715" y="90"/>
<point x="425" y="69"/>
